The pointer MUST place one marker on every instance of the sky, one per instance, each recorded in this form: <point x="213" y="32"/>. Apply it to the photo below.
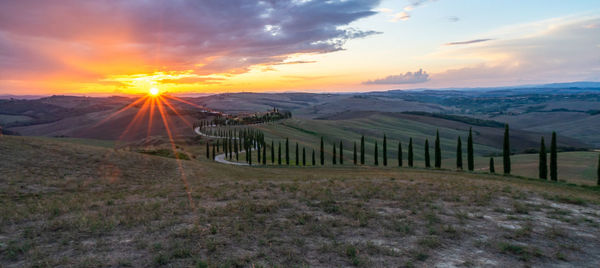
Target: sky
<point x="184" y="46"/>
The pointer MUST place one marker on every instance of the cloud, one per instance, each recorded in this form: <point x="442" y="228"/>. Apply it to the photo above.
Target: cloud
<point x="404" y="15"/>
<point x="453" y="19"/>
<point x="193" y="80"/>
<point x="384" y="10"/>
<point x="419" y="76"/>
<point x="295" y="62"/>
<point x="468" y="42"/>
<point x="400" y="16"/>
<point x="73" y="38"/>
<point x="556" y="50"/>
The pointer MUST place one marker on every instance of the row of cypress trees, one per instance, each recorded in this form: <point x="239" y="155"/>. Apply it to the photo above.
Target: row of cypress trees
<point x="254" y="140"/>
<point x="338" y="152"/>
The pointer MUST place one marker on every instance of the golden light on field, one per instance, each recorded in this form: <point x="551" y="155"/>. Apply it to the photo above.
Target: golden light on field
<point x="154" y="91"/>
<point x="159" y="103"/>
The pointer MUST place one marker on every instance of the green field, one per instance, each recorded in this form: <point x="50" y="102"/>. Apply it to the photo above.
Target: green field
<point x="573" y="167"/>
<point x="8" y="119"/>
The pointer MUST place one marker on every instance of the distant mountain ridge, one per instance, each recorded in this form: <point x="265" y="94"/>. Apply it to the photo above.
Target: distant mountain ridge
<point x="583" y="85"/>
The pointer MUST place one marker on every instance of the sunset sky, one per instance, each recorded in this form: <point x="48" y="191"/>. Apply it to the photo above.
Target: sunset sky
<point x="122" y="47"/>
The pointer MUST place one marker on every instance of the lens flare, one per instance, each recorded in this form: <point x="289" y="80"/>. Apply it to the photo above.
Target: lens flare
<point x="154" y="91"/>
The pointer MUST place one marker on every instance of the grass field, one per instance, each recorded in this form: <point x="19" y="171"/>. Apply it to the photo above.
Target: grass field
<point x="69" y="204"/>
<point x="573" y="167"/>
<point x="8" y="119"/>
<point x="91" y="142"/>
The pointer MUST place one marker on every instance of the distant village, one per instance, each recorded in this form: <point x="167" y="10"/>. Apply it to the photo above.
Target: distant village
<point x="223" y="119"/>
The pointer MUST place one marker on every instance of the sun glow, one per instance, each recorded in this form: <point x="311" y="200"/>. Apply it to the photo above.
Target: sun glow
<point x="162" y="106"/>
<point x="154" y="91"/>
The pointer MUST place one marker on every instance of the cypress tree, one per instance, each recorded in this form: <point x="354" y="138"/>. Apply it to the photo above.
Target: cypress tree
<point x="384" y="150"/>
<point x="287" y="151"/>
<point x="303" y="156"/>
<point x="553" y="159"/>
<point x="279" y="154"/>
<point x="322" y="152"/>
<point x="459" y="164"/>
<point x="213" y="152"/>
<point x="236" y="148"/>
<point x="297" y="155"/>
<point x="258" y="151"/>
<point x="399" y="154"/>
<point x="543" y="161"/>
<point x="341" y="153"/>
<point x="218" y="150"/>
<point x="272" y="152"/>
<point x="207" y="150"/>
<point x="438" y="150"/>
<point x="362" y="150"/>
<point x="506" y="151"/>
<point x="230" y="148"/>
<point x="354" y="155"/>
<point x="246" y="148"/>
<point x="492" y="168"/>
<point x="410" y="153"/>
<point x="225" y="146"/>
<point x="598" y="171"/>
<point x="427" y="158"/>
<point x="334" y="155"/>
<point x="249" y="154"/>
<point x="313" y="158"/>
<point x="376" y="153"/>
<point x="264" y="154"/>
<point x="470" y="160"/>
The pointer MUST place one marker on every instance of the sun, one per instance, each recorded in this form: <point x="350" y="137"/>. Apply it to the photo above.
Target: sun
<point x="154" y="91"/>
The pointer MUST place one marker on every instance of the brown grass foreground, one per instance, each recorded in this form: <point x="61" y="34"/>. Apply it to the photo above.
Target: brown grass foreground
<point x="64" y="204"/>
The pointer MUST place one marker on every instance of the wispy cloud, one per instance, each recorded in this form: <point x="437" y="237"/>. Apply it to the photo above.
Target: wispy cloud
<point x="453" y="19"/>
<point x="474" y="41"/>
<point x="419" y="76"/>
<point x="538" y="52"/>
<point x="400" y="16"/>
<point x="405" y="13"/>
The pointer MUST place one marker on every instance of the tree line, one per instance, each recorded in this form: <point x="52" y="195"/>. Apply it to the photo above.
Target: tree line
<point x="240" y="120"/>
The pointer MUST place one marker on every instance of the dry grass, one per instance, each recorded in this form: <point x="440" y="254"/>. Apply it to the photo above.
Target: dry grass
<point x="66" y="204"/>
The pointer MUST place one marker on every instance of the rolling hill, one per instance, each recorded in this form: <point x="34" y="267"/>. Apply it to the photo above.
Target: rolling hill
<point x="572" y="112"/>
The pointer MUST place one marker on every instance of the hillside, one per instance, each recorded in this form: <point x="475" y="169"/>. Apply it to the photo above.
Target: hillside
<point x="349" y="127"/>
<point x="70" y="204"/>
<point x="96" y="118"/>
<point x="574" y="113"/>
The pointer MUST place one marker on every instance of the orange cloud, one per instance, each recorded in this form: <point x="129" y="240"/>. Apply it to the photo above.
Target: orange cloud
<point x="102" y="46"/>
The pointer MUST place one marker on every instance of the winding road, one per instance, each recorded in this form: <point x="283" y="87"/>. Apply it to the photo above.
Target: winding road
<point x="221" y="158"/>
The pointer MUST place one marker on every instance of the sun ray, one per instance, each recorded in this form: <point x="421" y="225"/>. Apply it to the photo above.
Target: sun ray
<point x="187" y="102"/>
<point x="151" y="116"/>
<point x="173" y="147"/>
<point x="121" y="110"/>
<point x="165" y="101"/>
<point x="136" y="118"/>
